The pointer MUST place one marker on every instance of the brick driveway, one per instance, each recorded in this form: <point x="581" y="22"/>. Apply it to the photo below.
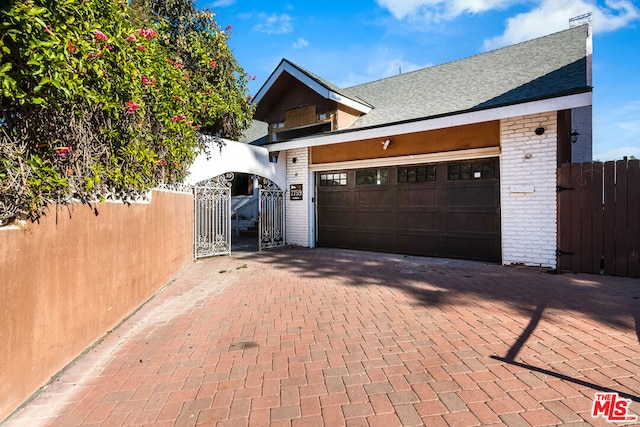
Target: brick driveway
<point x="332" y="337"/>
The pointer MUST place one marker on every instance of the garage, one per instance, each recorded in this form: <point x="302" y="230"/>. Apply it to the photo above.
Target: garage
<point x="449" y="210"/>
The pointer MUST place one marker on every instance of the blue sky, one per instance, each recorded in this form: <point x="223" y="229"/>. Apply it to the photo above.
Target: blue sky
<point x="357" y="41"/>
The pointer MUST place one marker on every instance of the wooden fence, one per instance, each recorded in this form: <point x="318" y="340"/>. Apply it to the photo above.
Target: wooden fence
<point x="599" y="218"/>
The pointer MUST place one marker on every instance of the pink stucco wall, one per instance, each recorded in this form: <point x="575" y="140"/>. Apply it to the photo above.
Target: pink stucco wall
<point x="68" y="280"/>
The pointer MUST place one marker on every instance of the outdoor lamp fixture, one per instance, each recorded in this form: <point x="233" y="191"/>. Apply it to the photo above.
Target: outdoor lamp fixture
<point x="385" y="144"/>
<point x="574" y="136"/>
<point x="539" y="131"/>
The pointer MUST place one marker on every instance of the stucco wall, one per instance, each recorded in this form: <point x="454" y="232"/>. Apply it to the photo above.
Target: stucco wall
<point x="68" y="280"/>
<point x="297" y="211"/>
<point x="528" y="190"/>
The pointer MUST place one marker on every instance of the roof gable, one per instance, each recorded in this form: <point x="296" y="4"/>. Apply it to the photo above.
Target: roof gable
<point x="313" y="82"/>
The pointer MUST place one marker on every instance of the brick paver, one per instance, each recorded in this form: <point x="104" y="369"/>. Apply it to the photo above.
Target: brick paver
<point x="335" y="337"/>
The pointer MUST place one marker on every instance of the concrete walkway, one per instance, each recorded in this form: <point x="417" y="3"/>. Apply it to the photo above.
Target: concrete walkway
<point x="320" y="337"/>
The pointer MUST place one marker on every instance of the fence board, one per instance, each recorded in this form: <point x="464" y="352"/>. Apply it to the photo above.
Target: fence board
<point x="609" y="218"/>
<point x="633" y="218"/>
<point x="597" y="224"/>
<point x="564" y="215"/>
<point x="585" y="186"/>
<point x="621" y="219"/>
<point x="576" y="223"/>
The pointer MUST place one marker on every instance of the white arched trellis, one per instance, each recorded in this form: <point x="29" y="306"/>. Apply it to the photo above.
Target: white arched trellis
<point x="238" y="157"/>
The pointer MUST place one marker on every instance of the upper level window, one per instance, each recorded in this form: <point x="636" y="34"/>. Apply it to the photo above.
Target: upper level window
<point x="425" y="173"/>
<point x="332" y="179"/>
<point x="472" y="170"/>
<point x="372" y="177"/>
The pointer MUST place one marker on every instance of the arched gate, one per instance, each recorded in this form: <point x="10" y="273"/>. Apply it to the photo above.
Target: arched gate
<point x="212" y="227"/>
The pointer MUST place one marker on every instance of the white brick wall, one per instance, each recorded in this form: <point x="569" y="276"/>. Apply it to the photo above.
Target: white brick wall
<point x="528" y="190"/>
<point x="297" y="211"/>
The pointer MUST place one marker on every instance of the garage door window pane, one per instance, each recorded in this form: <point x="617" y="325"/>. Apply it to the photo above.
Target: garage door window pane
<point x="426" y="173"/>
<point x="333" y="179"/>
<point x="372" y="177"/>
<point x="471" y="170"/>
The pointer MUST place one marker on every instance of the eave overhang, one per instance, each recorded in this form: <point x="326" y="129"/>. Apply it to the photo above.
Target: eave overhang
<point x="576" y="99"/>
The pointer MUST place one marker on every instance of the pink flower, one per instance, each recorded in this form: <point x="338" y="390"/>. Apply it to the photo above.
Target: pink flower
<point x="131" y="38"/>
<point x="229" y="28"/>
<point x="108" y="46"/>
<point x="178" y="118"/>
<point x="148" y="33"/>
<point x="197" y="127"/>
<point x="213" y="64"/>
<point x="178" y="65"/>
<point x="100" y="36"/>
<point x="63" y="151"/>
<point x="161" y="163"/>
<point x="94" y="55"/>
<point x="142" y="47"/>
<point x="132" y="107"/>
<point x="71" y="47"/>
<point x="145" y="80"/>
<point x="47" y="30"/>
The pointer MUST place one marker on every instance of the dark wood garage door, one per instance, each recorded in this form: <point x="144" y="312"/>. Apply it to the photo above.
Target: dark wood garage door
<point x="449" y="210"/>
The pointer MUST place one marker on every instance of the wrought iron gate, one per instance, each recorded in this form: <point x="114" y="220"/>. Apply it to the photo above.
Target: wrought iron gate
<point x="212" y="231"/>
<point x="271" y="212"/>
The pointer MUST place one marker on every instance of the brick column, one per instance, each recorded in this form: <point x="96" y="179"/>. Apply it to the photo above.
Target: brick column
<point x="297" y="211"/>
<point x="528" y="190"/>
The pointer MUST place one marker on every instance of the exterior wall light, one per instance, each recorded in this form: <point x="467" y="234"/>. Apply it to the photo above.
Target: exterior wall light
<point x="574" y="136"/>
<point x="539" y="131"/>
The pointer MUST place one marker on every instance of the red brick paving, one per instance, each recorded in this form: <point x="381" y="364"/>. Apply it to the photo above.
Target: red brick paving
<point x="322" y="337"/>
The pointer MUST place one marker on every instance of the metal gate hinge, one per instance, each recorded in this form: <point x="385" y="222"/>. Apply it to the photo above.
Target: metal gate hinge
<point x="560" y="252"/>
<point x="560" y="188"/>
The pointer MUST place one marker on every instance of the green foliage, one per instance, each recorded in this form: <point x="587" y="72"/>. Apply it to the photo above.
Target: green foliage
<point x="104" y="95"/>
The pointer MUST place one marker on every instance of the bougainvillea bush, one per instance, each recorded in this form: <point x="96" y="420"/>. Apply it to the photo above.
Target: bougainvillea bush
<point x="109" y="96"/>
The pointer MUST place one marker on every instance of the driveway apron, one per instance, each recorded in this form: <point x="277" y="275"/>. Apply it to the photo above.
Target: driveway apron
<point x="326" y="337"/>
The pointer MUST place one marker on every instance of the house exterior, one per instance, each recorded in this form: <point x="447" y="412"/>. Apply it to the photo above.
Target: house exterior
<point x="456" y="160"/>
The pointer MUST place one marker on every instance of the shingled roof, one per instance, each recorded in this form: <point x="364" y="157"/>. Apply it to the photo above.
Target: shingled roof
<point x="547" y="67"/>
<point x="550" y="66"/>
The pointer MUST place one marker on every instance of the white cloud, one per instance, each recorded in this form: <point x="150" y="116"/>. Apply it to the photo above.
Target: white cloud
<point x="274" y="24"/>
<point x="222" y="3"/>
<point x="551" y="16"/>
<point x="437" y="10"/>
<point x="300" y="43"/>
